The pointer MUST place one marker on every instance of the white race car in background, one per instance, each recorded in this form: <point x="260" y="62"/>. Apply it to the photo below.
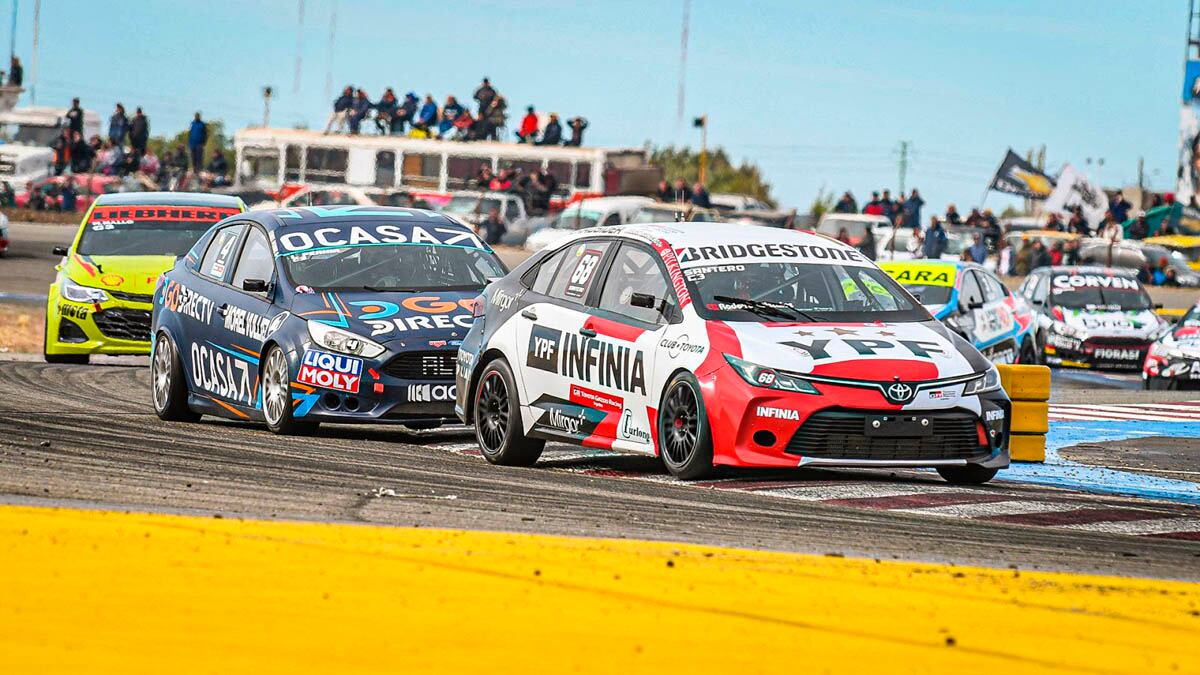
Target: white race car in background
<point x="1174" y="358"/>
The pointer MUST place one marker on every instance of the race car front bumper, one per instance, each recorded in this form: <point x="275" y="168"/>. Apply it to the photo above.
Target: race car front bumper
<point x="1172" y="371"/>
<point x="853" y="426"/>
<point x="1109" y="353"/>
<point x="112" y="327"/>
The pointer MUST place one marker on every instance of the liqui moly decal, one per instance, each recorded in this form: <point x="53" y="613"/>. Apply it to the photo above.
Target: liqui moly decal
<point x="330" y="371"/>
<point x="672" y="262"/>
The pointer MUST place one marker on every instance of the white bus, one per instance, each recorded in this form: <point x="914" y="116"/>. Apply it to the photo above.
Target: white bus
<point x="269" y="158"/>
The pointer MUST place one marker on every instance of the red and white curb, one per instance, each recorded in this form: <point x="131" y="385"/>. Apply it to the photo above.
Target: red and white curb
<point x="1187" y="411"/>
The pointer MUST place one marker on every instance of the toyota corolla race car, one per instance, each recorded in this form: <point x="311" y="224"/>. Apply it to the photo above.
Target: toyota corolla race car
<point x="338" y="314"/>
<point x="725" y="345"/>
<point x="974" y="303"/>
<point x="1091" y="317"/>
<point x="1173" y="361"/>
<point x="100" y="301"/>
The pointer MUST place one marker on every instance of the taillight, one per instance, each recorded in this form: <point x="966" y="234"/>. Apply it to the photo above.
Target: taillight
<point x="479" y="306"/>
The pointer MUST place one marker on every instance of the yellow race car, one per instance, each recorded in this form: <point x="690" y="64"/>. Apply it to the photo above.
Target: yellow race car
<point x="100" y="301"/>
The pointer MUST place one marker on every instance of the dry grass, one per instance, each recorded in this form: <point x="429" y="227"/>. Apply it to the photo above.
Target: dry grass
<point x="32" y="216"/>
<point x="21" y="328"/>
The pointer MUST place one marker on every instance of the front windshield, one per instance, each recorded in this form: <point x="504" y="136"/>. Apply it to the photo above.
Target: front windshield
<point x="1191" y="319"/>
<point x="393" y="267"/>
<point x="147" y="230"/>
<point x="29" y="135"/>
<point x="463" y="205"/>
<point x="653" y="215"/>
<point x="785" y="291"/>
<point x="1097" y="292"/>
<point x="855" y="230"/>
<point x="576" y="219"/>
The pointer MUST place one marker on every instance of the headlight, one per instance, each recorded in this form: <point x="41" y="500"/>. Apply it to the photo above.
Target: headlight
<point x="344" y="342"/>
<point x="769" y="377"/>
<point x="76" y="293"/>
<point x="989" y="381"/>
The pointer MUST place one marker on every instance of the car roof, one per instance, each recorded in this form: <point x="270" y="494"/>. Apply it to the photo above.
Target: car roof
<point x="600" y="203"/>
<point x="168" y="199"/>
<point x="713" y="234"/>
<point x="861" y="217"/>
<point x="313" y="215"/>
<point x="1092" y="269"/>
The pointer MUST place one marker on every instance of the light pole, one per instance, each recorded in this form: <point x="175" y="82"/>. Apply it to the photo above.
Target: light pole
<point x="267" y="106"/>
<point x="702" y="123"/>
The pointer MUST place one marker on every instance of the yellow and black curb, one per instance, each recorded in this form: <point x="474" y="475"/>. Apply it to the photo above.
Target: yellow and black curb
<point x="1029" y="389"/>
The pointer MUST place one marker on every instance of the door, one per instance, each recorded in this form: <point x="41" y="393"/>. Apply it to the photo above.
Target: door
<point x="558" y="356"/>
<point x="970" y="299"/>
<point x="633" y="310"/>
<point x="995" y="325"/>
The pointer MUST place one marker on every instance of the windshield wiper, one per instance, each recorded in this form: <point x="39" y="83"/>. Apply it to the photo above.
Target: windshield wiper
<point x="378" y="289"/>
<point x="764" y="308"/>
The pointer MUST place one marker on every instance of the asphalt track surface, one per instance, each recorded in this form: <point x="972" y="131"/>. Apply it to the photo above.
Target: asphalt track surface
<point x="86" y="436"/>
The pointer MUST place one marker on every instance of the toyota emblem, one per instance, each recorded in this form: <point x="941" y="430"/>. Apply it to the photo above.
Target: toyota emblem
<point x="899" y="392"/>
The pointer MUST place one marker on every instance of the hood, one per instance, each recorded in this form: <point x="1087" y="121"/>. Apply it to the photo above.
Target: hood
<point x="1136" y="324"/>
<point x="135" y="274"/>
<point x="1186" y="340"/>
<point x="432" y="319"/>
<point x="871" y="351"/>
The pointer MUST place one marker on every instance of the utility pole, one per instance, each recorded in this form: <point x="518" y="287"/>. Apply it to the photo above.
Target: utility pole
<point x="267" y="107"/>
<point x="37" y="18"/>
<point x="299" y="46"/>
<point x="683" y="43"/>
<point x="329" y="62"/>
<point x="1141" y="173"/>
<point x="904" y="147"/>
<point x="12" y="41"/>
<point x="702" y="123"/>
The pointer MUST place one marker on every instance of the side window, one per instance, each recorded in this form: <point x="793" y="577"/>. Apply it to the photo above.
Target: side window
<point x="538" y="280"/>
<point x="1043" y="288"/>
<point x="612" y="219"/>
<point x="635" y="270"/>
<point x="220" y="252"/>
<point x="993" y="290"/>
<point x="578" y="270"/>
<point x="256" y="261"/>
<point x="512" y="212"/>
<point x="970" y="293"/>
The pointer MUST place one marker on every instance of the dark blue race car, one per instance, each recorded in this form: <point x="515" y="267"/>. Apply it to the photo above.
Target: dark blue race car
<point x="318" y="314"/>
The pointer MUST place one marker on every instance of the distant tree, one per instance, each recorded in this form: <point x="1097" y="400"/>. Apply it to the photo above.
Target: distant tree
<point x="722" y="174"/>
<point x="216" y="140"/>
<point x="822" y="203"/>
<point x="1011" y="211"/>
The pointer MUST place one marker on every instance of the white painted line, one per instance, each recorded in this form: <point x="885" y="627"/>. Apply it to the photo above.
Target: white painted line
<point x="456" y="447"/>
<point x="977" y="510"/>
<point x="1106" y="416"/>
<point x="1140" y="527"/>
<point x="856" y="491"/>
<point x="1138" y="408"/>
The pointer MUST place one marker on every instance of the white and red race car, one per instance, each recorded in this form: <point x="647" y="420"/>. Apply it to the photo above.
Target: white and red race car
<point x="1173" y="361"/>
<point x="724" y="345"/>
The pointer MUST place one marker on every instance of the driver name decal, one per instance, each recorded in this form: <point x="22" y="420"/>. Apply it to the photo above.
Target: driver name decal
<point x="587" y="359"/>
<point x="338" y="236"/>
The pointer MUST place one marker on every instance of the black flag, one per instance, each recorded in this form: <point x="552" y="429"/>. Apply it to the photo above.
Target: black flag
<point x="1018" y="177"/>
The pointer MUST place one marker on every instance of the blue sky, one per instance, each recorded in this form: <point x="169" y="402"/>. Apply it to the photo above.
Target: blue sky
<point x="818" y="93"/>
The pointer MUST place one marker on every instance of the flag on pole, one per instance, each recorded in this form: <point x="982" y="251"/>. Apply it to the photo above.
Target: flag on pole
<point x="1018" y="177"/>
<point x="1074" y="189"/>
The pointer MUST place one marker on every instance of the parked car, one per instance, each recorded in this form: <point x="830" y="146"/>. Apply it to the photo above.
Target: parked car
<point x="601" y="211"/>
<point x="727" y="202"/>
<point x="1187" y="245"/>
<point x="3" y="234"/>
<point x="666" y="212"/>
<point x="781" y="219"/>
<point x="47" y="192"/>
<point x="1135" y="255"/>
<point x="474" y="207"/>
<point x="855" y="224"/>
<point x="903" y="244"/>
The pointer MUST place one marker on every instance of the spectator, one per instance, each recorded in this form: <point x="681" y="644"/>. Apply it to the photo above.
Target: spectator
<point x="887" y="207"/>
<point x="552" y="134"/>
<point x="664" y="192"/>
<point x="1039" y="256"/>
<point x="1004" y="258"/>
<point x="16" y="74"/>
<point x="952" y="216"/>
<point x="450" y="114"/>
<point x="341" y="110"/>
<point x="197" y="139"/>
<point x="118" y="126"/>
<point x="139" y="132"/>
<point x="178" y="160"/>
<point x="1159" y="276"/>
<point x="936" y="241"/>
<point x="912" y="208"/>
<point x="539" y="186"/>
<point x="1053" y="222"/>
<point x="81" y="154"/>
<point x="462" y="126"/>
<point x="843" y="236"/>
<point x="481" y="128"/>
<point x="1110" y="229"/>
<point x="1079" y="225"/>
<point x="497" y="117"/>
<point x="846" y="204"/>
<point x="866" y="245"/>
<point x="1056" y="253"/>
<point x="1139" y="228"/>
<point x="1071" y="252"/>
<point x="107" y="161"/>
<point x="62" y="151"/>
<point x="427" y="116"/>
<point x="67" y="198"/>
<point x="219" y="169"/>
<point x="1162" y="230"/>
<point x="502" y="182"/>
<point x="700" y="196"/>
<point x="978" y="249"/>
<point x="1172" y="277"/>
<point x="407" y="113"/>
<point x="873" y="207"/>
<point x="359" y="110"/>
<point x="680" y="193"/>
<point x="147" y="163"/>
<point x="991" y="228"/>
<point x="484" y="95"/>
<point x="493" y="227"/>
<point x="577" y="124"/>
<point x="1120" y="208"/>
<point x="484" y="178"/>
<point x="385" y="112"/>
<point x="75" y="117"/>
<point x="529" y="127"/>
<point x="974" y="219"/>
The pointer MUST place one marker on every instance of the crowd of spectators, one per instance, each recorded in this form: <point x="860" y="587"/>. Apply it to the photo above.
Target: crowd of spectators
<point x="452" y="120"/>
<point x="680" y="193"/>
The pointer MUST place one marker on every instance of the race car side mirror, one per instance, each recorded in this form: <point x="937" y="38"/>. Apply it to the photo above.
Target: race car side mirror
<point x="1158" y="305"/>
<point x="642" y="300"/>
<point x="60" y="250"/>
<point x="975" y="305"/>
<point x="254" y="286"/>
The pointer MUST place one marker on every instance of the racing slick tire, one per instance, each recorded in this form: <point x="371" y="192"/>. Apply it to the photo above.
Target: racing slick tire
<point x="79" y="359"/>
<point x="971" y="474"/>
<point x="1158" y="384"/>
<point x="684" y="439"/>
<point x="1029" y="352"/>
<point x="277" y="400"/>
<point x="168" y="389"/>
<point x="498" y="425"/>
